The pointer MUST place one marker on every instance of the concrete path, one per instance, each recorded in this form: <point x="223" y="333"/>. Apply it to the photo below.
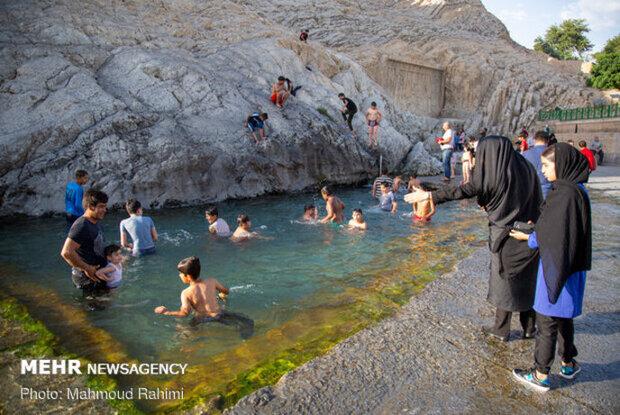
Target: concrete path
<point x="432" y="358"/>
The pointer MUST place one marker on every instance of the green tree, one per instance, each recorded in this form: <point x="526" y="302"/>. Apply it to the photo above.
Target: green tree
<point x="566" y="41"/>
<point x="605" y="72"/>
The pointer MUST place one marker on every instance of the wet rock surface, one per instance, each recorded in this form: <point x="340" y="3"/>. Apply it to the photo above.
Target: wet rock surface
<point x="150" y="97"/>
<point x="433" y="358"/>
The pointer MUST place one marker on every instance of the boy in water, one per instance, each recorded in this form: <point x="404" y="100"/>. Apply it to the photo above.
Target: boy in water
<point x="139" y="228"/>
<point x="357" y="220"/>
<point x="217" y="225"/>
<point x="333" y="205"/>
<point x="423" y="211"/>
<point x="373" y="118"/>
<point x="256" y="122"/>
<point x="311" y="214"/>
<point x="243" y="231"/>
<point x="200" y="297"/>
<point x="112" y="273"/>
<point x="279" y="92"/>
<point x="73" y="197"/>
<point x="387" y="201"/>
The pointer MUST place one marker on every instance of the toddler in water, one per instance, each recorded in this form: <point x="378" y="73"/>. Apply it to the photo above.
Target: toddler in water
<point x="113" y="272"/>
<point x="243" y="232"/>
<point x="357" y="220"/>
<point x="423" y="211"/>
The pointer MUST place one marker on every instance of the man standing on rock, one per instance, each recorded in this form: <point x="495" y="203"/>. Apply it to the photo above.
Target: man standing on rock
<point x="348" y="110"/>
<point x="447" y="146"/>
<point x="333" y="205"/>
<point x="73" y="197"/>
<point x="83" y="248"/>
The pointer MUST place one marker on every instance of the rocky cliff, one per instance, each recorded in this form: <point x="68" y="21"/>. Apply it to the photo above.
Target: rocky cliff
<point x="150" y="96"/>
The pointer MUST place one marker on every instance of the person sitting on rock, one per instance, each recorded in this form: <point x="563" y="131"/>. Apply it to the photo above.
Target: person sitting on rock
<point x="256" y="122"/>
<point x="303" y="36"/>
<point x="291" y="88"/>
<point x="348" y="110"/>
<point x="279" y="92"/>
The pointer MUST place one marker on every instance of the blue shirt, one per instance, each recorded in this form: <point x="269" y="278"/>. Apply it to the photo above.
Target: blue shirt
<point x="533" y="156"/>
<point x="73" y="199"/>
<point x="139" y="229"/>
<point x="571" y="297"/>
<point x="386" y="200"/>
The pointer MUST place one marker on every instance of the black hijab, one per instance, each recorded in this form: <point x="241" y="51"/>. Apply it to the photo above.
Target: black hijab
<point x="564" y="229"/>
<point x="506" y="183"/>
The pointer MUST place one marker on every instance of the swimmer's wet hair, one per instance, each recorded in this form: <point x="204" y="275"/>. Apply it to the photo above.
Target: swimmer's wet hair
<point x="93" y="197"/>
<point x="309" y="207"/>
<point x="242" y="218"/>
<point x="327" y="190"/>
<point x="80" y="173"/>
<point x="190" y="266"/>
<point x="132" y="206"/>
<point x="212" y="211"/>
<point x="110" y="249"/>
<point x="358" y="211"/>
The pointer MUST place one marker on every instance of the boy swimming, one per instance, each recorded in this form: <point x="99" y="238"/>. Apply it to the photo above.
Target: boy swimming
<point x="201" y="295"/>
<point x="311" y="214"/>
<point x="357" y="220"/>
<point x="243" y="231"/>
<point x="423" y="211"/>
<point x="112" y="273"/>
<point x="217" y="225"/>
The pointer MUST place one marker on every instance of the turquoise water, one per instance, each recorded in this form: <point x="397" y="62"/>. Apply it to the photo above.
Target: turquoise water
<point x="297" y="269"/>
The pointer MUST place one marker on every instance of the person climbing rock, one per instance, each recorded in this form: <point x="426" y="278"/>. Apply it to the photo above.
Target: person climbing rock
<point x="303" y="36"/>
<point x="348" y="110"/>
<point x="256" y="122"/>
<point x="279" y="92"/>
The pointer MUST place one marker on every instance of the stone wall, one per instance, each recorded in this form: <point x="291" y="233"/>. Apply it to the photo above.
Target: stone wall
<point x="415" y="87"/>
<point x="608" y="132"/>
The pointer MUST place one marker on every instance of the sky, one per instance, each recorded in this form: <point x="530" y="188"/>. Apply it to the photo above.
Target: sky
<point x="527" y="19"/>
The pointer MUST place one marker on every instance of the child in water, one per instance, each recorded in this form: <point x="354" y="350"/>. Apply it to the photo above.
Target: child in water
<point x="423" y="211"/>
<point x="113" y="272"/>
<point x="387" y="201"/>
<point x="201" y="295"/>
<point x="243" y="231"/>
<point x="311" y="214"/>
<point x="357" y="220"/>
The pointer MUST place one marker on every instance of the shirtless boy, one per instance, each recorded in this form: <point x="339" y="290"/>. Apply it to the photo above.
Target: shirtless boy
<point x="423" y="211"/>
<point x="279" y="92"/>
<point x="373" y="118"/>
<point x="334" y="206"/>
<point x="311" y="214"/>
<point x="243" y="230"/>
<point x="357" y="220"/>
<point x="201" y="295"/>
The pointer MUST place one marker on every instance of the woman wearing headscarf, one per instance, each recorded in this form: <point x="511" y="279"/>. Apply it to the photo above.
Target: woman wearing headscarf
<point x="507" y="186"/>
<point x="563" y="236"/>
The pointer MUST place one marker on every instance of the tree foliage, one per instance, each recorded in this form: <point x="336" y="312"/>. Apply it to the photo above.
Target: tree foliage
<point x="605" y="72"/>
<point x="565" y="41"/>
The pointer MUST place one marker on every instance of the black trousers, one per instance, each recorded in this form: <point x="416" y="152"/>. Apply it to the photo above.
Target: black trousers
<point x="552" y="330"/>
<point x="503" y="317"/>
<point x="348" y="117"/>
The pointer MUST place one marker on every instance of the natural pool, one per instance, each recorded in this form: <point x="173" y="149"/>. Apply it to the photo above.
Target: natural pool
<point x="306" y="287"/>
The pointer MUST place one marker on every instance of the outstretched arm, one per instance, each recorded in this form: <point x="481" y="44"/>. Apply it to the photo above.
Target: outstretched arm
<point x="182" y="312"/>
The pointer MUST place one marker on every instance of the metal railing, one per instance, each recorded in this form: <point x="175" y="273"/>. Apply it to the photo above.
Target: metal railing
<point x="584" y="113"/>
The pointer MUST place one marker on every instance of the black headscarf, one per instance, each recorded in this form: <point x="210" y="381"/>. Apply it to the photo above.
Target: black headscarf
<point x="564" y="229"/>
<point x="506" y="183"/>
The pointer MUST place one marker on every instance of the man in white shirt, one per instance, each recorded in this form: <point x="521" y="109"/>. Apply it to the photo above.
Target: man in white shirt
<point x="446" y="143"/>
<point x="217" y="225"/>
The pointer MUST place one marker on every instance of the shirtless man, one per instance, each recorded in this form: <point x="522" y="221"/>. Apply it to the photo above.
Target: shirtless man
<point x="373" y="118"/>
<point x="423" y="211"/>
<point x="279" y="92"/>
<point x="201" y="295"/>
<point x="334" y="206"/>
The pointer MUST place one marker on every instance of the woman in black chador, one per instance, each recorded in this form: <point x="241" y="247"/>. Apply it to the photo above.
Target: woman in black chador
<point x="507" y="186"/>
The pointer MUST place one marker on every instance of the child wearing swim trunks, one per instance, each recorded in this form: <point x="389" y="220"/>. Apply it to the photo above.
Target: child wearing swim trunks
<point x="112" y="273"/>
<point x="423" y="211"/>
<point x="373" y="118"/>
<point x="201" y="296"/>
<point x="357" y="220"/>
<point x="256" y="122"/>
<point x="243" y="231"/>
